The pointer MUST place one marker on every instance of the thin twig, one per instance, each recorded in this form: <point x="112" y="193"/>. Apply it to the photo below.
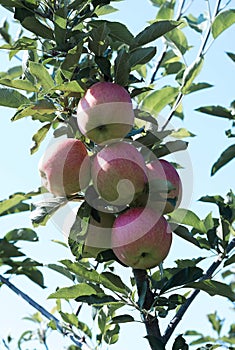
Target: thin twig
<point x="208" y="275"/>
<point x="59" y="326"/>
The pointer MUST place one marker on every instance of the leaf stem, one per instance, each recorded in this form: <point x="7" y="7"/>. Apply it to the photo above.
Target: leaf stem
<point x="208" y="275"/>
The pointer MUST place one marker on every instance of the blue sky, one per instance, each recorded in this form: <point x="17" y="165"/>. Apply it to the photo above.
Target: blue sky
<point x="19" y="173"/>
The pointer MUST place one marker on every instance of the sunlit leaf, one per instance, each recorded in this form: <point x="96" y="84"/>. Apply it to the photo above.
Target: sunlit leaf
<point x="213" y="288"/>
<point x="224" y="158"/>
<point x="82" y="289"/>
<point x="217" y="111"/>
<point x="190" y="74"/>
<point x="157" y="100"/>
<point x="186" y="275"/>
<point x="223" y="21"/>
<point x="187" y="217"/>
<point x="39" y="137"/>
<point x="42" y="75"/>
<point x="25" y="234"/>
<point x="179" y="40"/>
<point x="12" y="98"/>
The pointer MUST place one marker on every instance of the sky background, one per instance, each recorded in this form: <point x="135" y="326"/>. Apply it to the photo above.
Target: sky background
<point x="19" y="173"/>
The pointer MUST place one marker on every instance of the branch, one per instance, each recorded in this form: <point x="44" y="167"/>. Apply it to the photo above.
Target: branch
<point x="146" y="299"/>
<point x="208" y="275"/>
<point x="80" y="342"/>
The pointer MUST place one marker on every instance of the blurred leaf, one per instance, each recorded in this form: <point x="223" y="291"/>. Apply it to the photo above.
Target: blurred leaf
<point x="99" y="39"/>
<point x="12" y="204"/>
<point x="154" y="342"/>
<point x="12" y="98"/>
<point x="33" y="274"/>
<point x="216" y="322"/>
<point x="153" y="32"/>
<point x="182" y="133"/>
<point x="187" y="217"/>
<point x="71" y="319"/>
<point x="22" y="234"/>
<point x="8" y="250"/>
<point x="223" y="21"/>
<point x="141" y="55"/>
<point x="213" y="288"/>
<point x="81" y="289"/>
<point x="224" y="158"/>
<point x="157" y="100"/>
<point x="122" y="68"/>
<point x="190" y="73"/>
<point x="42" y="75"/>
<point x="20" y="84"/>
<point x="217" y="111"/>
<point x="105" y="10"/>
<point x="166" y="10"/>
<point x="230" y="260"/>
<point x="104" y="65"/>
<point x="42" y="211"/>
<point x="179" y="40"/>
<point x="122" y="319"/>
<point x="184" y="276"/>
<point x="196" y="23"/>
<point x="39" y="137"/>
<point x="170" y="147"/>
<point x="99" y="300"/>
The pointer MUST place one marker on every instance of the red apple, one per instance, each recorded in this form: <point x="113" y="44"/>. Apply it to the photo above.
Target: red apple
<point x="163" y="201"/>
<point x="65" y="167"/>
<point x="98" y="237"/>
<point x="119" y="173"/>
<point x="105" y="112"/>
<point x="141" y="238"/>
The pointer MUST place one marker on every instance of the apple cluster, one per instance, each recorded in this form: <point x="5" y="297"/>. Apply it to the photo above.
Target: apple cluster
<point x="128" y="195"/>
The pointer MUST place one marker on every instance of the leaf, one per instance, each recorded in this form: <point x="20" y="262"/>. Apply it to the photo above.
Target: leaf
<point x="153" y="32"/>
<point x="99" y="40"/>
<point x="42" y="211"/>
<point x="231" y="55"/>
<point x="8" y="250"/>
<point x="20" y="84"/>
<point x="170" y="147"/>
<point x="33" y="274"/>
<point x="154" y="342"/>
<point x="179" y="40"/>
<point x="122" y="68"/>
<point x="141" y="55"/>
<point x="42" y="75"/>
<point x="187" y="217"/>
<point x="104" y="65"/>
<point x="184" y="276"/>
<point x="107" y="279"/>
<point x="105" y="10"/>
<point x="224" y="158"/>
<point x="190" y="74"/>
<point x="217" y="111"/>
<point x="81" y="289"/>
<point x="118" y="31"/>
<point x="199" y="86"/>
<point x="22" y="234"/>
<point x="184" y="233"/>
<point x="222" y="22"/>
<point x="12" y="98"/>
<point x="180" y="343"/>
<point x="230" y="260"/>
<point x="71" y="319"/>
<point x="122" y="319"/>
<point x="70" y="86"/>
<point x="39" y="137"/>
<point x="213" y="288"/>
<point x="62" y="270"/>
<point x="36" y="27"/>
<point x="157" y="100"/>
<point x="216" y="322"/>
<point x="182" y="133"/>
<point x="12" y="201"/>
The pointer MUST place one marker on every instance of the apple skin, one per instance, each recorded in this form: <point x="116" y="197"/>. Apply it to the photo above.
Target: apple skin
<point x="65" y="167"/>
<point x="98" y="237"/>
<point x="163" y="170"/>
<point x="105" y="112"/>
<point x="141" y="238"/>
<point x="119" y="173"/>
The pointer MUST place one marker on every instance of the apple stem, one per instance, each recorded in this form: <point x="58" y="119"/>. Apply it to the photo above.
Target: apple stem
<point x="145" y="302"/>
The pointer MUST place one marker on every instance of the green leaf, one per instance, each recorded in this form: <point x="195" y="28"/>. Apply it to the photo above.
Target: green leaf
<point x="217" y="111"/>
<point x="107" y="279"/>
<point x="182" y="133"/>
<point x="33" y="274"/>
<point x="39" y="137"/>
<point x="222" y="22"/>
<point x="35" y="26"/>
<point x="62" y="270"/>
<point x="213" y="288"/>
<point x="42" y="211"/>
<point x="199" y="86"/>
<point x="142" y="55"/>
<point x="166" y="10"/>
<point x="122" y="68"/>
<point x="105" y="65"/>
<point x="153" y="32"/>
<point x="81" y="289"/>
<point x="154" y="342"/>
<point x="184" y="233"/>
<point x="170" y="147"/>
<point x="105" y="10"/>
<point x="22" y="234"/>
<point x="20" y="84"/>
<point x="42" y="75"/>
<point x="71" y="319"/>
<point x="99" y="300"/>
<point x="180" y="343"/>
<point x="224" y="158"/>
<point x="70" y="86"/>
<point x="12" y="98"/>
<point x="157" y="100"/>
<point x="190" y="74"/>
<point x="230" y="260"/>
<point x="187" y="217"/>
<point x="8" y="250"/>
<point x="99" y="40"/>
<point x="178" y="39"/>
<point x="70" y="61"/>
<point x="60" y="23"/>
<point x="186" y="275"/>
<point x="122" y="319"/>
<point x="216" y="322"/>
<point x="231" y="55"/>
<point x="13" y="200"/>
<point x="118" y="31"/>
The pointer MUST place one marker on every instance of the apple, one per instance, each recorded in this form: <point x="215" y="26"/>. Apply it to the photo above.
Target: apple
<point x="163" y="201"/>
<point x="118" y="172"/>
<point x="105" y="112"/>
<point x="98" y="236"/>
<point x="141" y="238"/>
<point x="65" y="167"/>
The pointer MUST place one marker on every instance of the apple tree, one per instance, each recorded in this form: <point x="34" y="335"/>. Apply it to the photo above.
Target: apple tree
<point x="105" y="102"/>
